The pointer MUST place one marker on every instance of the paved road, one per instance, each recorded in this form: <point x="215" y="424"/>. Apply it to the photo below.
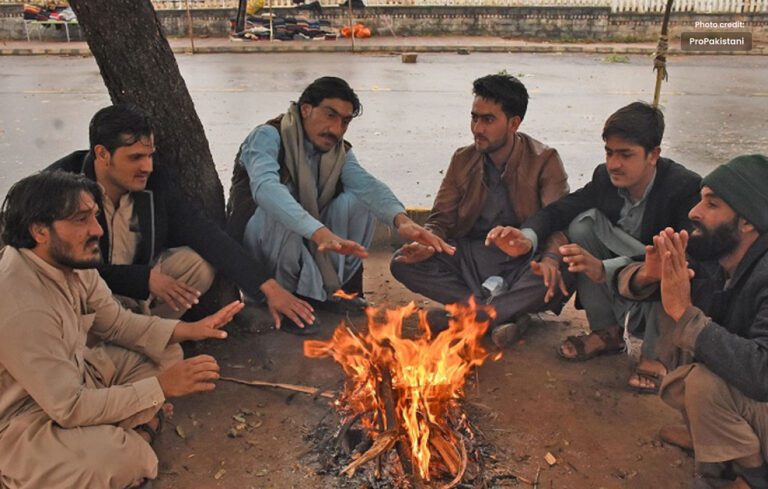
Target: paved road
<point x="415" y="114"/>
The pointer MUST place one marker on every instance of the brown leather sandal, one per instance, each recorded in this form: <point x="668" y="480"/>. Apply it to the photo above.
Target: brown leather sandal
<point x="613" y="344"/>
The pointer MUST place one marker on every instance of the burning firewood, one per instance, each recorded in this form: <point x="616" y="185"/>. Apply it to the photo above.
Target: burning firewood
<point x="406" y="393"/>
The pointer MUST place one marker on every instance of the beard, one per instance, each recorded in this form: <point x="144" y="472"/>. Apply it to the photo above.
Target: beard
<point x="714" y="244"/>
<point x="492" y="145"/>
<point x="61" y="253"/>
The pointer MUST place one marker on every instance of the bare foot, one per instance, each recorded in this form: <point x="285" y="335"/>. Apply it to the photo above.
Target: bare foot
<point x="677" y="435"/>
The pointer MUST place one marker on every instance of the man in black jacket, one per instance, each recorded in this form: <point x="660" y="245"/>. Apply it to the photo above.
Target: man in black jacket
<point x="718" y="339"/>
<point x="159" y="250"/>
<point x="631" y="197"/>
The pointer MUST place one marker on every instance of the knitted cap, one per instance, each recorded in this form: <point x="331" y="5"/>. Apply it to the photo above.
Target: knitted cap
<point x="743" y="184"/>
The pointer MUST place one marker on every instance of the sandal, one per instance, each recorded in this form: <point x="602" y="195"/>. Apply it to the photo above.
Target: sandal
<point x="648" y="375"/>
<point x="149" y="430"/>
<point x="613" y="344"/>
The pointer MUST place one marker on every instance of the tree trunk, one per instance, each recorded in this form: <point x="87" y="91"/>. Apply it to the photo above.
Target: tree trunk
<point x="138" y="66"/>
<point x="240" y="22"/>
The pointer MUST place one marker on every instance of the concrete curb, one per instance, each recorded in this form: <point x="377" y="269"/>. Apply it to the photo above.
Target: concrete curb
<point x="266" y="47"/>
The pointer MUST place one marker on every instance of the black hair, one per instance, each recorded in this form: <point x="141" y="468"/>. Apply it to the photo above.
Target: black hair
<point x="505" y="90"/>
<point x="41" y="198"/>
<point x="330" y="87"/>
<point x="639" y="123"/>
<point x="119" y="125"/>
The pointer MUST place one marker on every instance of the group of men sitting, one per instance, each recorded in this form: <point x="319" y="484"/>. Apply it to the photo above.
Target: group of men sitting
<point x="103" y="255"/>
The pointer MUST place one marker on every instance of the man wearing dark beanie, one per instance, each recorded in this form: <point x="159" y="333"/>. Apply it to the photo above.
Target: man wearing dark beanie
<point x="717" y="335"/>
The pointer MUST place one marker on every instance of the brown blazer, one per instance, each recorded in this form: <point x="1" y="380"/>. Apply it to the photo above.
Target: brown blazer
<point x="535" y="177"/>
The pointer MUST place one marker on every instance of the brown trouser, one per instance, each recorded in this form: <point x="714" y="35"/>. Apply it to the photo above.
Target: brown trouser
<point x="184" y="265"/>
<point x="35" y="452"/>
<point x="725" y="424"/>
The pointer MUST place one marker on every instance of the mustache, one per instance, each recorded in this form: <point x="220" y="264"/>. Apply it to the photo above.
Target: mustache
<point x="92" y="240"/>
<point x="330" y="136"/>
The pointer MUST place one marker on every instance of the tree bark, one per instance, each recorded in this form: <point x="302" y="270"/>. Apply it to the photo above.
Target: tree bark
<point x="240" y="22"/>
<point x="138" y="66"/>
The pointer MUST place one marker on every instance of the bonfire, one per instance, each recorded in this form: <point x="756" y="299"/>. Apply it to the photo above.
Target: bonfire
<point x="406" y="392"/>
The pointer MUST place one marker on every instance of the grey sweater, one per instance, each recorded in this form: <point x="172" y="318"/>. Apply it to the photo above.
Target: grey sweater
<point x="726" y="329"/>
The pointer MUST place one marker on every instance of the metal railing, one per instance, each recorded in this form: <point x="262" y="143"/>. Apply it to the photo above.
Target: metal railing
<point x="697" y="6"/>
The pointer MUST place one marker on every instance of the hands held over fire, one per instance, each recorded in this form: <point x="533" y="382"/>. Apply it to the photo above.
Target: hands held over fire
<point x="196" y="374"/>
<point x="510" y="240"/>
<point x="326" y="241"/>
<point x="424" y="243"/>
<point x="549" y="270"/>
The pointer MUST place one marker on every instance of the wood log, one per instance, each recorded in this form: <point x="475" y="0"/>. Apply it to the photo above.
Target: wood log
<point x="312" y="391"/>
<point x="449" y="455"/>
<point x="387" y="393"/>
<point x="383" y="443"/>
<point x="462" y="467"/>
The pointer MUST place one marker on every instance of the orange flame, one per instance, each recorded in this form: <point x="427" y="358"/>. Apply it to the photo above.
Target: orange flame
<point x="428" y="373"/>
<point x="344" y="295"/>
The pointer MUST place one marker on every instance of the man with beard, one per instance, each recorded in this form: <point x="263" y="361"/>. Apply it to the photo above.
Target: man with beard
<point x="716" y="336"/>
<point x="82" y="380"/>
<point x="500" y="180"/>
<point x="160" y="251"/>
<point x="301" y="202"/>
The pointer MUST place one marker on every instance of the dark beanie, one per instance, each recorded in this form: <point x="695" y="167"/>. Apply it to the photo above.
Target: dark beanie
<point x="743" y="184"/>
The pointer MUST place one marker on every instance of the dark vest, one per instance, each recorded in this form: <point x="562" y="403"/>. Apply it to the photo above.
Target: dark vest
<point x="241" y="206"/>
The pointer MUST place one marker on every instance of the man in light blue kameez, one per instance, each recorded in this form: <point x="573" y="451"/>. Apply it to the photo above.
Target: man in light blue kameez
<point x="303" y="204"/>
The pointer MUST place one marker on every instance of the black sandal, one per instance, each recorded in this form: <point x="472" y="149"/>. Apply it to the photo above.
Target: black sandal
<point x="148" y="429"/>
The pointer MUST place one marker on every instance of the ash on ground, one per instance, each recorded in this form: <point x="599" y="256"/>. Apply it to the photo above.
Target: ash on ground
<point x="333" y="447"/>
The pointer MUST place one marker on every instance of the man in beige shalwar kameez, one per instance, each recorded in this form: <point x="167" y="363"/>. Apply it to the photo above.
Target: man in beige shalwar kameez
<point x="69" y="411"/>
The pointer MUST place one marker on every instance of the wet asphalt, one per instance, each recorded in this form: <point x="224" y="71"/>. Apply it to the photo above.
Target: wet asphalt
<point x="415" y="115"/>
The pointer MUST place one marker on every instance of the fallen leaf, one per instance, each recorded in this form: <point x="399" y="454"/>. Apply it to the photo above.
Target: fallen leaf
<point x="220" y="474"/>
<point x="550" y="459"/>
<point x="180" y="432"/>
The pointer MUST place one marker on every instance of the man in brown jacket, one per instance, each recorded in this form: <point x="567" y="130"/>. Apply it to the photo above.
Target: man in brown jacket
<point x="81" y="379"/>
<point x="500" y="180"/>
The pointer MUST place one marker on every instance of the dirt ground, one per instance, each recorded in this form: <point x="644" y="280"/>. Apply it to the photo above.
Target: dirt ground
<point x="528" y="403"/>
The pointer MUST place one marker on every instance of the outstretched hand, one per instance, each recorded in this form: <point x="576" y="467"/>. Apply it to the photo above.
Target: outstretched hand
<point x="549" y="270"/>
<point x="510" y="240"/>
<point x="208" y="327"/>
<point x="327" y="241"/>
<point x="411" y="231"/>
<point x="414" y="253"/>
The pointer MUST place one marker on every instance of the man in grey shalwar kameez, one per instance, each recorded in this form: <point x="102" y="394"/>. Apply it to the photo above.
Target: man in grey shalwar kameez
<point x="314" y="203"/>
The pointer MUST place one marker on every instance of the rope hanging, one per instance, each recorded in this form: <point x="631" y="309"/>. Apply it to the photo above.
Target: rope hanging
<point x="660" y="59"/>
